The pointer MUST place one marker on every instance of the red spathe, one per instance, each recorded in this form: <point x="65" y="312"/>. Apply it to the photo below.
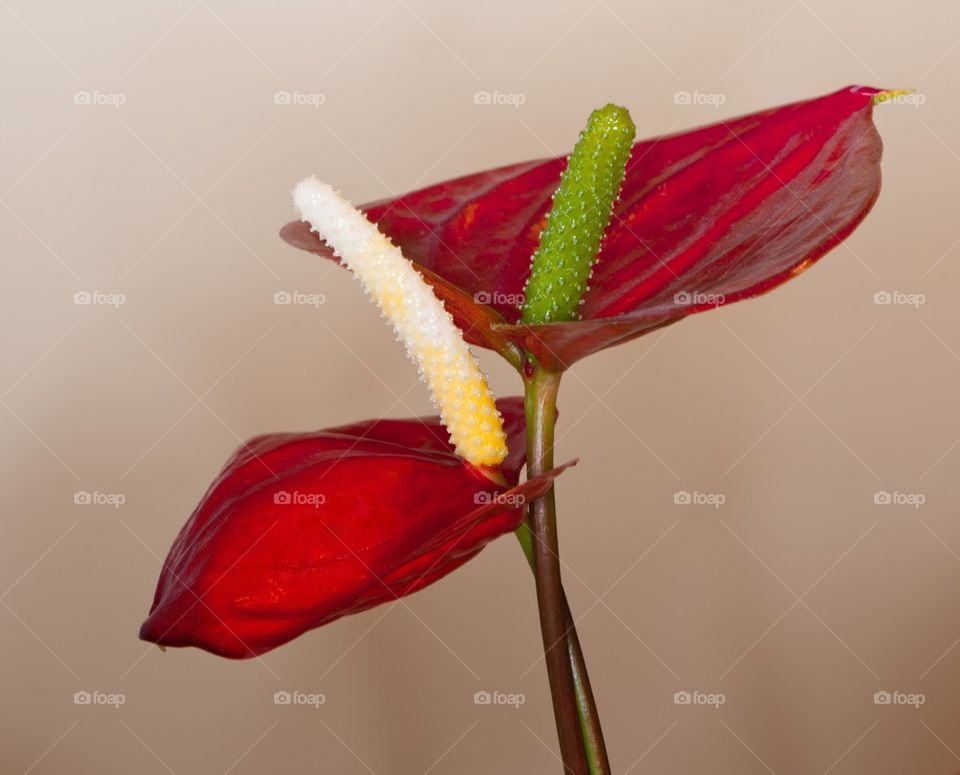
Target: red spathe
<point x="706" y="217"/>
<point x="300" y="529"/>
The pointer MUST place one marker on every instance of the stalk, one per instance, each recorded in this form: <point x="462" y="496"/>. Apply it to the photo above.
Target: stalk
<point x="590" y="729"/>
<point x="560" y="270"/>
<point x="540" y="406"/>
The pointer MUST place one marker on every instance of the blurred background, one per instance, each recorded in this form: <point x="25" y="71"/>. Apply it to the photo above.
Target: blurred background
<point x="147" y="155"/>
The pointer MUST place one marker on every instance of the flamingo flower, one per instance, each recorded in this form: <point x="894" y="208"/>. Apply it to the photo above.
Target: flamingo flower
<point x="544" y="262"/>
<point x="300" y="529"/>
<point x="704" y="218"/>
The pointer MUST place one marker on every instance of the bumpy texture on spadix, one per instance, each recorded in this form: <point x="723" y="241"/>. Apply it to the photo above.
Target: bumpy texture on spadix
<point x="578" y="217"/>
<point x="458" y="387"/>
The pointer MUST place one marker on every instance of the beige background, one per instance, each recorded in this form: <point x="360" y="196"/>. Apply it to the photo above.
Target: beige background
<point x="798" y="599"/>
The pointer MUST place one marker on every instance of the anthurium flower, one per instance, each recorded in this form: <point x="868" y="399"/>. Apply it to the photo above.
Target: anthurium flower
<point x="299" y="529"/>
<point x="706" y="217"/>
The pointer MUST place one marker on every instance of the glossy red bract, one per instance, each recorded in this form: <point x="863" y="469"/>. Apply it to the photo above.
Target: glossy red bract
<point x="300" y="529"/>
<point x="706" y="217"/>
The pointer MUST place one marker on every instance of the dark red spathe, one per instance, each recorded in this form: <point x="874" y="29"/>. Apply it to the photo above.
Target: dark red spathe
<point x="300" y="529"/>
<point x="709" y="216"/>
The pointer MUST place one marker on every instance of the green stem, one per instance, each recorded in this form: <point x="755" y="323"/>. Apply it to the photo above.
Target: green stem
<point x="540" y="406"/>
<point x="590" y="729"/>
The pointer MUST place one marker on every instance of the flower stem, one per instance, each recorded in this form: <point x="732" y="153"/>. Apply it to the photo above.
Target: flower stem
<point x="594" y="746"/>
<point x="555" y="622"/>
